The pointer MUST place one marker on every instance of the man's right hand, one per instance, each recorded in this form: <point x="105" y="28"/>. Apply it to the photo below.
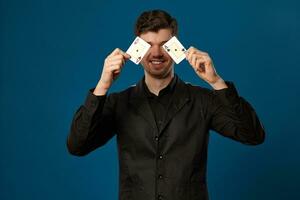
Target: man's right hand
<point x="111" y="70"/>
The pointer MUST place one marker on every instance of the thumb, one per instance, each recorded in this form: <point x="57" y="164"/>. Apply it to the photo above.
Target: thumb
<point x="127" y="56"/>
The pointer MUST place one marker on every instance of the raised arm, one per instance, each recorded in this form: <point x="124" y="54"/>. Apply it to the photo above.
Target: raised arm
<point x="93" y="123"/>
<point x="231" y="115"/>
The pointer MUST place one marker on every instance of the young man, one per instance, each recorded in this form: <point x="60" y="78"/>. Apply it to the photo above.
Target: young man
<point x="162" y="124"/>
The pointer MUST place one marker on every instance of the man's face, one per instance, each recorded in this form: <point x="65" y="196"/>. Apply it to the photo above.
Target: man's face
<point x="157" y="63"/>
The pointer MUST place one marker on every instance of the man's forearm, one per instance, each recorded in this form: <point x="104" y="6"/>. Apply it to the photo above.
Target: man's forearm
<point x="100" y="89"/>
<point x="219" y="84"/>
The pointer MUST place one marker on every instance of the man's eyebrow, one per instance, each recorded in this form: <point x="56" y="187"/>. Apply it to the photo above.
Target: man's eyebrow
<point x="161" y="43"/>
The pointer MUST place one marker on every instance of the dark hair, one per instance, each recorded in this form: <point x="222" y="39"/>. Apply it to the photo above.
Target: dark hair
<point x="154" y="20"/>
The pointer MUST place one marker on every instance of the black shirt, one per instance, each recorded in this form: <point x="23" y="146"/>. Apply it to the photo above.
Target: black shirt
<point x="160" y="104"/>
<point x="170" y="163"/>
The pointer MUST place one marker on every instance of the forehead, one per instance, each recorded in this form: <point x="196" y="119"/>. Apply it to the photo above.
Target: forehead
<point x="161" y="35"/>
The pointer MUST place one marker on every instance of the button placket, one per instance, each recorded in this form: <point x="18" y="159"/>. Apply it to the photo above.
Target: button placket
<point x="159" y="174"/>
<point x="159" y="197"/>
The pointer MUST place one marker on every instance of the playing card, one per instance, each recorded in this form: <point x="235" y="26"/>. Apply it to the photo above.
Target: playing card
<point x="138" y="49"/>
<point x="175" y="49"/>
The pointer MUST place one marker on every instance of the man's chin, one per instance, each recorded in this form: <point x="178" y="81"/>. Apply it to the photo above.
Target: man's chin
<point x="159" y="74"/>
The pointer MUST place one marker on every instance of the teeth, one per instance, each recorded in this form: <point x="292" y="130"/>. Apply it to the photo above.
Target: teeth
<point x="156" y="62"/>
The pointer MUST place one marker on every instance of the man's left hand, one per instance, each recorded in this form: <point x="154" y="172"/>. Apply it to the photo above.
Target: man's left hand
<point x="204" y="67"/>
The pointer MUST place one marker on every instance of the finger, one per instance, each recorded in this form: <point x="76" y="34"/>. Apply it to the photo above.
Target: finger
<point x="116" y="51"/>
<point x="206" y="61"/>
<point x="125" y="55"/>
<point x="190" y="55"/>
<point x="198" y="51"/>
<point x="115" y="75"/>
<point x="202" y="57"/>
<point x="114" y="68"/>
<point x="189" y="60"/>
<point x="192" y="50"/>
<point x="116" y="62"/>
<point x="196" y="59"/>
<point x="204" y="53"/>
<point x="189" y="52"/>
<point x="120" y="55"/>
<point x="115" y="57"/>
<point x="200" y="65"/>
<point x="193" y="60"/>
<point x="117" y="72"/>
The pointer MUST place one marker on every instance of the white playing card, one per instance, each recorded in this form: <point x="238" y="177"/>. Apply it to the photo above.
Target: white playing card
<point x="138" y="49"/>
<point x="175" y="49"/>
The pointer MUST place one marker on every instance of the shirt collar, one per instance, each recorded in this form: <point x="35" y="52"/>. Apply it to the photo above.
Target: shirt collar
<point x="168" y="89"/>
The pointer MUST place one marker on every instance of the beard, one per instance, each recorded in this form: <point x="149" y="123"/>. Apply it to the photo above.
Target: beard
<point x="158" y="67"/>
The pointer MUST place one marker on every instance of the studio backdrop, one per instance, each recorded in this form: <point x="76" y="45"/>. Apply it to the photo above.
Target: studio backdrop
<point x="52" y="53"/>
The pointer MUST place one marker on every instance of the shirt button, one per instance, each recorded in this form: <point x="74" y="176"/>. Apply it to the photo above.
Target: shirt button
<point x="160" y="197"/>
<point x="156" y="138"/>
<point x="160" y="176"/>
<point x="160" y="156"/>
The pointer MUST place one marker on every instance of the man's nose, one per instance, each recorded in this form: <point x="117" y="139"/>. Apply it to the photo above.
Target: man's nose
<point x="156" y="50"/>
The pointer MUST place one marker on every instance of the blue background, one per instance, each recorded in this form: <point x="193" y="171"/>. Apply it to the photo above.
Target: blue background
<point x="52" y="52"/>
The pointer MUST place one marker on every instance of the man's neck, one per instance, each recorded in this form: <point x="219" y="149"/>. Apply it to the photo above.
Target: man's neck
<point x="155" y="85"/>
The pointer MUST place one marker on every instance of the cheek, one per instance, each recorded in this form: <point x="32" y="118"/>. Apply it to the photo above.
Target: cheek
<point x="144" y="62"/>
<point x="169" y="57"/>
<point x="166" y="55"/>
<point x="145" y="58"/>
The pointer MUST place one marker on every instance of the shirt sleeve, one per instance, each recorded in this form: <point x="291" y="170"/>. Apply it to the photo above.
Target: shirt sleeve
<point x="232" y="116"/>
<point x="92" y="124"/>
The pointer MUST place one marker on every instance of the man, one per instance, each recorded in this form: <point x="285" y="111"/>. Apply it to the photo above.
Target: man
<point x="162" y="124"/>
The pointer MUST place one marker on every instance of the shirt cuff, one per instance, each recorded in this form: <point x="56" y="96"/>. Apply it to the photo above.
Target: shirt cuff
<point x="93" y="103"/>
<point x="228" y="96"/>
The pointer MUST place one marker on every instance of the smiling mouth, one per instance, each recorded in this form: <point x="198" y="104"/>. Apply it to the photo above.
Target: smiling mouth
<point x="156" y="62"/>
